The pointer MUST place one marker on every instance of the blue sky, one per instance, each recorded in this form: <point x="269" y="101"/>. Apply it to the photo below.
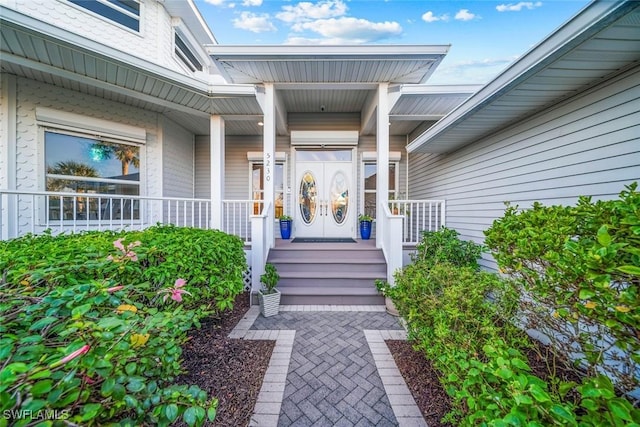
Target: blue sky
<point x="485" y="36"/>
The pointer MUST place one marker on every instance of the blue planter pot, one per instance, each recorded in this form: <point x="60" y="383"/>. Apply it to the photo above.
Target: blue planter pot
<point x="285" y="228"/>
<point x="365" y="230"/>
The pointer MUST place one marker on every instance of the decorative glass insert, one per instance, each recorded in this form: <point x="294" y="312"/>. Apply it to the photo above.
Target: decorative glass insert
<point x="307" y="199"/>
<point x="339" y="197"/>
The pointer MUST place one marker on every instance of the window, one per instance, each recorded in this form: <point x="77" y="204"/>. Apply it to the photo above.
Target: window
<point x="369" y="187"/>
<point x="257" y="187"/>
<point x="185" y="54"/>
<point x="123" y="12"/>
<point x="83" y="164"/>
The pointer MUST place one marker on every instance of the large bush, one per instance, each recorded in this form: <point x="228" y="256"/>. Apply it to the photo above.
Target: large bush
<point x="578" y="269"/>
<point x="92" y="324"/>
<point x="463" y="320"/>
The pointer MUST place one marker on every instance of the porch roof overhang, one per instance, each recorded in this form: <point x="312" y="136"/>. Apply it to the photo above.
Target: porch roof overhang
<point x="363" y="64"/>
<point x="46" y="53"/>
<point x="601" y="41"/>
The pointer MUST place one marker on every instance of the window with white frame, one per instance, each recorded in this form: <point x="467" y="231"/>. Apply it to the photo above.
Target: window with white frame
<point x="369" y="174"/>
<point x="185" y="53"/>
<point x="85" y="164"/>
<point x="123" y="12"/>
<point x="257" y="183"/>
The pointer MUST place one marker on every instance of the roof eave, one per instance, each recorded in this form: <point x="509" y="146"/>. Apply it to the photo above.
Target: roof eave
<point x="578" y="29"/>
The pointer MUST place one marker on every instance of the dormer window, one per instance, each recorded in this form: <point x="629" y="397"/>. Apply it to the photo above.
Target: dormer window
<point x="123" y="12"/>
<point x="186" y="55"/>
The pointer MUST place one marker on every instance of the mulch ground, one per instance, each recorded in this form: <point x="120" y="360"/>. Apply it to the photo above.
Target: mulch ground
<point x="229" y="369"/>
<point x="423" y="382"/>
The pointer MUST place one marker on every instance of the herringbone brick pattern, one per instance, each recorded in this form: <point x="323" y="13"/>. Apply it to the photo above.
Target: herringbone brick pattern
<point x="332" y="378"/>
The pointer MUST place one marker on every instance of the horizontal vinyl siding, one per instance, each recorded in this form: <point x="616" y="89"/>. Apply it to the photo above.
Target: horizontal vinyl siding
<point x="324" y="121"/>
<point x="178" y="165"/>
<point x="202" y="175"/>
<point x="588" y="145"/>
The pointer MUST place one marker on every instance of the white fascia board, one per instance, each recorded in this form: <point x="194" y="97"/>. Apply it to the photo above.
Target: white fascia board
<point x="189" y="13"/>
<point x="577" y="30"/>
<point x="232" y="89"/>
<point x="322" y="52"/>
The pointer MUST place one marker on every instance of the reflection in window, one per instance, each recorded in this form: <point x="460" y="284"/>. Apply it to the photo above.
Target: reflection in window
<point x="308" y="197"/>
<point x="78" y="164"/>
<point x="339" y="197"/>
<point x="124" y="12"/>
<point x="257" y="188"/>
<point x="370" y="186"/>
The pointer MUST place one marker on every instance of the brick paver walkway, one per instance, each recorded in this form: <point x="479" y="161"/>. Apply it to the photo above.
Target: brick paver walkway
<point x="332" y="378"/>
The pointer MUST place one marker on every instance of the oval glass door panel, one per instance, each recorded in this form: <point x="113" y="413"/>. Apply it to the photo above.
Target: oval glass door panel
<point x="339" y="197"/>
<point x="307" y="198"/>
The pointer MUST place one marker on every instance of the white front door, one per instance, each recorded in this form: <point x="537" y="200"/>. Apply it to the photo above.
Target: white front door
<point x="325" y="199"/>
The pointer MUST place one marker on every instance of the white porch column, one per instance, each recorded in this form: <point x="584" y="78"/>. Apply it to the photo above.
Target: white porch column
<point x="269" y="157"/>
<point x="382" y="160"/>
<point x="217" y="142"/>
<point x="8" y="153"/>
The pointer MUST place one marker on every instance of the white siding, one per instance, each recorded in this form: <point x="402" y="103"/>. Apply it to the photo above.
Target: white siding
<point x="153" y="43"/>
<point x="587" y="145"/>
<point x="177" y="159"/>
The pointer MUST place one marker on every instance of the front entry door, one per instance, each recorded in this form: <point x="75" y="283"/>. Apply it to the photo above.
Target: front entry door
<point x="324" y="206"/>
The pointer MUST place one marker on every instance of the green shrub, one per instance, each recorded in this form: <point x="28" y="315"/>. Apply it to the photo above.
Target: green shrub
<point x="579" y="270"/>
<point x="444" y="245"/>
<point x="91" y="324"/>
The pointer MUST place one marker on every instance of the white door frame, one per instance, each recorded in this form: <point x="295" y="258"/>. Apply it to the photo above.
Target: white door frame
<point x="352" y="219"/>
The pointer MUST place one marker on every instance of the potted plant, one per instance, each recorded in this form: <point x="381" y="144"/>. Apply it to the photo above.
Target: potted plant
<point x="269" y="296"/>
<point x="365" y="226"/>
<point x="285" y="226"/>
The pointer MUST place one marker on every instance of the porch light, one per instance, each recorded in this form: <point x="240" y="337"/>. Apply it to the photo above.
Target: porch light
<point x="260" y="124"/>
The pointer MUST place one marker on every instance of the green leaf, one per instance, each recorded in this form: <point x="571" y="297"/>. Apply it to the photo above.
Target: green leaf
<point x="135" y="385"/>
<point x="189" y="416"/>
<point x="586" y="294"/>
<point x="80" y="311"/>
<point x="630" y="269"/>
<point x="40" y="324"/>
<point x="603" y="236"/>
<point x="539" y="394"/>
<point x="520" y="365"/>
<point x="107" y="387"/>
<point x="90" y="410"/>
<point x="211" y="413"/>
<point x="171" y="412"/>
<point x="119" y="392"/>
<point x="131" y="368"/>
<point x="45" y="373"/>
<point x="563" y="414"/>
<point x="620" y="409"/>
<point x="42" y="387"/>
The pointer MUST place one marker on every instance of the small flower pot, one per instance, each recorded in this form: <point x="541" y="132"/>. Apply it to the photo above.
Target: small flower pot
<point x="365" y="230"/>
<point x="269" y="303"/>
<point x="285" y="228"/>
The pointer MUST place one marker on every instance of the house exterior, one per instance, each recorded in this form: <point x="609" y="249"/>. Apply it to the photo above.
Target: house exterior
<point x="127" y="113"/>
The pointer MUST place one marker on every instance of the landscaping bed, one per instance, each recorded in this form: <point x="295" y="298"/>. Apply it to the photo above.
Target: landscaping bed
<point x="229" y="369"/>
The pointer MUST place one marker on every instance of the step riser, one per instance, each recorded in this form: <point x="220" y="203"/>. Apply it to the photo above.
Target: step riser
<point x="284" y="255"/>
<point x="331" y="299"/>
<point x="319" y="270"/>
<point x="326" y="283"/>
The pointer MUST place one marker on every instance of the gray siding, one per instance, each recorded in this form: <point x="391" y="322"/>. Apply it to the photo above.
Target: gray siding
<point x="202" y="174"/>
<point x="587" y="145"/>
<point x="177" y="157"/>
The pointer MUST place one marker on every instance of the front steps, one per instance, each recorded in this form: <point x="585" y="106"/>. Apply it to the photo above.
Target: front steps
<point x="329" y="273"/>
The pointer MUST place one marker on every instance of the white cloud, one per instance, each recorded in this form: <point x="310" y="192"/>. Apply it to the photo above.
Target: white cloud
<point x="465" y="15"/>
<point x="307" y="11"/>
<point x="254" y="22"/>
<point x="348" y="30"/>
<point x="221" y="3"/>
<point x="517" y="7"/>
<point x="249" y="3"/>
<point x="430" y="17"/>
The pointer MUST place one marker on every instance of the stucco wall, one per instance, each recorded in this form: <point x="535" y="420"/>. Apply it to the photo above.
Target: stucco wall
<point x="587" y="145"/>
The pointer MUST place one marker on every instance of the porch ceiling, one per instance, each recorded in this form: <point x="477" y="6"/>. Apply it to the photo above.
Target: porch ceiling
<point x="327" y="64"/>
<point x="601" y="41"/>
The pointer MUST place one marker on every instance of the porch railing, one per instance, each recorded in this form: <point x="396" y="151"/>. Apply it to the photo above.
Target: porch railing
<point x="418" y="216"/>
<point x="236" y="217"/>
